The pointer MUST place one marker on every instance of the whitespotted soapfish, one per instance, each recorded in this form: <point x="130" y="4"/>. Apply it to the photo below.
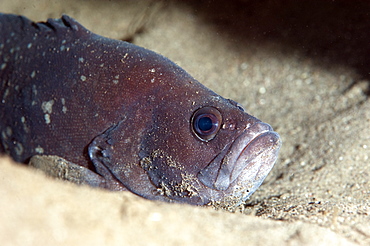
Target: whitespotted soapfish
<point x="125" y="117"/>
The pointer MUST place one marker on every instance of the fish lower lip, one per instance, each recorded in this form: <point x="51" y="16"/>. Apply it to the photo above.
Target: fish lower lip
<point x="248" y="160"/>
<point x="258" y="157"/>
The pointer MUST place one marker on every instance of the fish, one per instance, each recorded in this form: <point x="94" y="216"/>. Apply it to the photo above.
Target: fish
<point x="126" y="117"/>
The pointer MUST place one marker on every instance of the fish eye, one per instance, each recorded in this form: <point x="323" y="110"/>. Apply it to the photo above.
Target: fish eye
<point x="206" y="123"/>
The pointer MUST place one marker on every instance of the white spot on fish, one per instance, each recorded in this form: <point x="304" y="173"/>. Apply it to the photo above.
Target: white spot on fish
<point x="18" y="149"/>
<point x="152" y="70"/>
<point x="34" y="90"/>
<point x="81" y="59"/>
<point x="33" y="74"/>
<point x="39" y="150"/>
<point x="47" y="107"/>
<point x="29" y="46"/>
<point x="47" y="118"/>
<point x="9" y="131"/>
<point x="64" y="108"/>
<point x="3" y="135"/>
<point x="62" y="48"/>
<point x="116" y="79"/>
<point x="6" y="93"/>
<point x="25" y="127"/>
<point x="3" y="66"/>
<point x="83" y="78"/>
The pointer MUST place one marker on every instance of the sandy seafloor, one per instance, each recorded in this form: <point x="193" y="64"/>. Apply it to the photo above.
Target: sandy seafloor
<point x="302" y="66"/>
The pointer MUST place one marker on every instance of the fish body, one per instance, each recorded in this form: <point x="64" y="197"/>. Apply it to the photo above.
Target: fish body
<point x="131" y="118"/>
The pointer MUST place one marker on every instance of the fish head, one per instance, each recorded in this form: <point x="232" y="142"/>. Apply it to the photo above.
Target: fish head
<point x="219" y="154"/>
<point x="181" y="142"/>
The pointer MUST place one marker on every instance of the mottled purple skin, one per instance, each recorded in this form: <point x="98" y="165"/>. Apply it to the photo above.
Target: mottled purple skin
<point x="125" y="113"/>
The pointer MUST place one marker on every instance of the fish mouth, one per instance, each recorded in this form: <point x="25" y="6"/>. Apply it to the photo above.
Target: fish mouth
<point x="244" y="163"/>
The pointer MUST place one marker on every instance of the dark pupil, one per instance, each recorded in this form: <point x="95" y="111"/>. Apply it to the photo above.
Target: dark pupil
<point x="205" y="124"/>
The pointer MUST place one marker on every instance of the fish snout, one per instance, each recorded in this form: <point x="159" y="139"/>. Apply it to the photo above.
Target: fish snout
<point x="245" y="163"/>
